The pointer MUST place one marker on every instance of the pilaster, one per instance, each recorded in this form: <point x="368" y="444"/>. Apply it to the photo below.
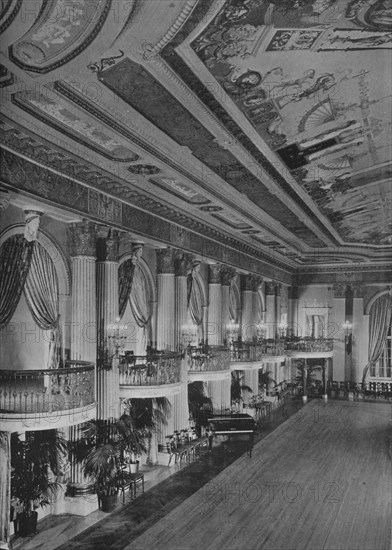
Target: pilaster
<point x="338" y="319"/>
<point x="107" y="314"/>
<point x="83" y="309"/>
<point x="214" y="334"/>
<point x="270" y="309"/>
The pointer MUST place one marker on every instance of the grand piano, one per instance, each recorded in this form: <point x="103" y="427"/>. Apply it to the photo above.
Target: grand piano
<point x="235" y="424"/>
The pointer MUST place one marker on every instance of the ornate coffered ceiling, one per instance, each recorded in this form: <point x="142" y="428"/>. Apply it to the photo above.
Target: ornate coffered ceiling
<point x="262" y="126"/>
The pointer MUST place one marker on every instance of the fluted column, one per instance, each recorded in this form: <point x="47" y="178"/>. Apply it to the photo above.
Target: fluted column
<point x="247" y="323"/>
<point x="165" y="317"/>
<point x="227" y="275"/>
<point x="338" y="319"/>
<point x="215" y="305"/>
<point x="107" y="314"/>
<point x="270" y="309"/>
<point x="5" y="488"/>
<point x="181" y="408"/>
<point x="83" y="309"/>
<point x="166" y="299"/>
<point x="251" y="377"/>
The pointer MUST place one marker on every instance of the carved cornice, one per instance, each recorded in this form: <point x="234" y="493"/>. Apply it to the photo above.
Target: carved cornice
<point x="214" y="274"/>
<point x="165" y="261"/>
<point x="149" y="50"/>
<point x="83" y="239"/>
<point x="97" y="178"/>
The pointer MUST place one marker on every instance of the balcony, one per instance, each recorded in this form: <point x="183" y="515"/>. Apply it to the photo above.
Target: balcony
<point x="153" y="375"/>
<point x="309" y="347"/>
<point x="208" y="363"/>
<point x="246" y="355"/>
<point x="47" y="399"/>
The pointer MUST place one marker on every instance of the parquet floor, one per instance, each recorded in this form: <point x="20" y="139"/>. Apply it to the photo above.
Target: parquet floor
<point x="320" y="481"/>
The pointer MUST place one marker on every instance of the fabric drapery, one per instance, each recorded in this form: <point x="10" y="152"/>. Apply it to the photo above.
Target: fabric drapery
<point x="42" y="296"/>
<point x="380" y="319"/>
<point x="15" y="259"/>
<point x="125" y="277"/>
<point x="195" y="300"/>
<point x="233" y="310"/>
<point x="138" y="298"/>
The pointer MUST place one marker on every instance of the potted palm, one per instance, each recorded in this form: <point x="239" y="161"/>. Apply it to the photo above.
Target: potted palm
<point x="238" y="389"/>
<point x="33" y="456"/>
<point x="200" y="405"/>
<point x="102" y="449"/>
<point x="265" y="381"/>
<point x="146" y="415"/>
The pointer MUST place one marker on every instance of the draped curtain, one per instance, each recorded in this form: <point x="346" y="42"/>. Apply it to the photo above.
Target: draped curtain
<point x="138" y="298"/>
<point x="195" y="300"/>
<point x="42" y="296"/>
<point x="233" y="311"/>
<point x="15" y="259"/>
<point x="380" y="319"/>
<point x="125" y="278"/>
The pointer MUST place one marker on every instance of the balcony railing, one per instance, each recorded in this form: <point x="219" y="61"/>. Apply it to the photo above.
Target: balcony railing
<point x="270" y="347"/>
<point x="245" y="352"/>
<point x="49" y="390"/>
<point x="151" y="370"/>
<point x="309" y="344"/>
<point x="208" y="359"/>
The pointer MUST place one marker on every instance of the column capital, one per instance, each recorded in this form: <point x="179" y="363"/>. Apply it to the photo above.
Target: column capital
<point x="214" y="274"/>
<point x="270" y="288"/>
<point x="83" y="239"/>
<point x="107" y="248"/>
<point x="257" y="281"/>
<point x="278" y="288"/>
<point x="357" y="290"/>
<point x="165" y="260"/>
<point x="182" y="264"/>
<point x="227" y="275"/>
<point x="247" y="281"/>
<point x="339" y="290"/>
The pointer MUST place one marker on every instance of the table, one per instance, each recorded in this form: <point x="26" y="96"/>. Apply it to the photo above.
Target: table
<point x="129" y="481"/>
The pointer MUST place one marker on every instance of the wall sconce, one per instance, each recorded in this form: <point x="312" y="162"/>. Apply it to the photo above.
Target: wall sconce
<point x="282" y="330"/>
<point x="348" y="336"/>
<point x="188" y="335"/>
<point x="116" y="339"/>
<point x="232" y="331"/>
<point x="261" y="330"/>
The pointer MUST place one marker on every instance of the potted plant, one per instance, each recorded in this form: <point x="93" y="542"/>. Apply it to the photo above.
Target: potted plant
<point x="200" y="406"/>
<point x="238" y="389"/>
<point x="146" y="415"/>
<point x="102" y="450"/>
<point x="33" y="455"/>
<point x="305" y="379"/>
<point x="265" y="381"/>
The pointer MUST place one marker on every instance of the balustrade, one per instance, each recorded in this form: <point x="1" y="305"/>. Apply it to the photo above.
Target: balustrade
<point x="309" y="344"/>
<point x="47" y="390"/>
<point x="150" y="370"/>
<point x="208" y="359"/>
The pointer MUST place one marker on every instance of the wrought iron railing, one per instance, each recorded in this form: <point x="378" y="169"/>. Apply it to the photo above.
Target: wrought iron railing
<point x="309" y="344"/>
<point x="270" y="347"/>
<point x="208" y="359"/>
<point x="151" y="370"/>
<point x="48" y="390"/>
<point x="244" y="352"/>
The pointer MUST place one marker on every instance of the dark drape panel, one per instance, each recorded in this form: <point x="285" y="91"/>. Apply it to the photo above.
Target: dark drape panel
<point x="138" y="298"/>
<point x="125" y="278"/>
<point x="380" y="319"/>
<point x="195" y="300"/>
<point x="42" y="296"/>
<point x="15" y="259"/>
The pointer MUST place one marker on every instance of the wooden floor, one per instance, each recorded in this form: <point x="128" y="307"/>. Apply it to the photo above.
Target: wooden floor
<point x="320" y="481"/>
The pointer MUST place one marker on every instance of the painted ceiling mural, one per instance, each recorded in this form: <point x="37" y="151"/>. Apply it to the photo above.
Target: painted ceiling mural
<point x="326" y="115"/>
